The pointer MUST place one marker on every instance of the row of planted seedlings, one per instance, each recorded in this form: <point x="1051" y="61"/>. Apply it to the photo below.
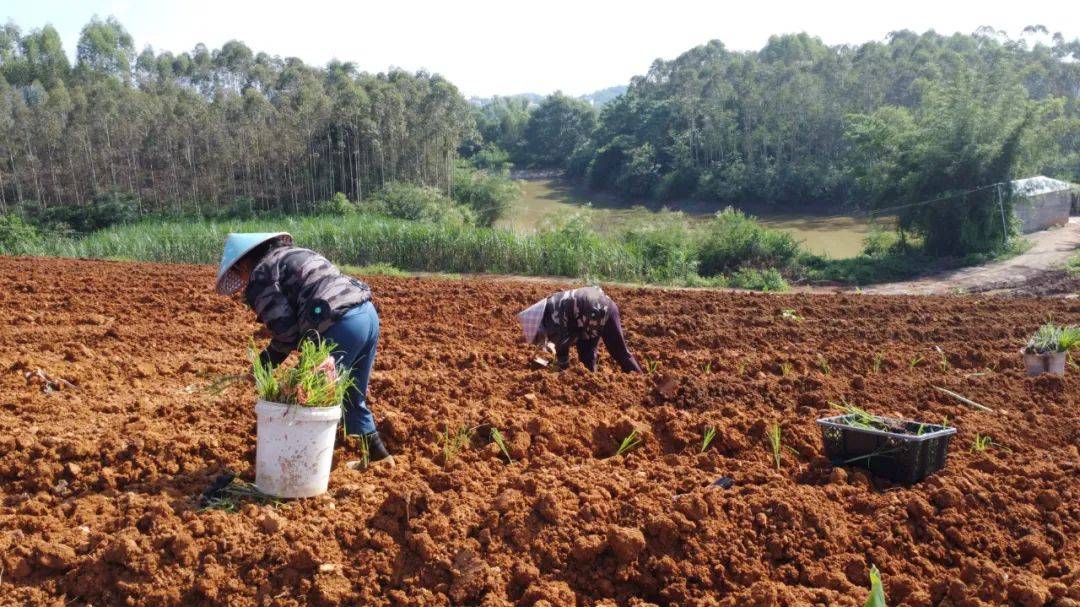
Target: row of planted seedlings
<point x="901" y="450"/>
<point x="299" y="409"/>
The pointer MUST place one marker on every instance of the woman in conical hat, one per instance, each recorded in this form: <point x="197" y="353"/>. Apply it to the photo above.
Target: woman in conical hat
<point x="297" y="293"/>
<point x="578" y="317"/>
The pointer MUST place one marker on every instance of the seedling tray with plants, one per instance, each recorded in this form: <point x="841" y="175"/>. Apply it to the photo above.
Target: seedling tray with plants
<point x="902" y="451"/>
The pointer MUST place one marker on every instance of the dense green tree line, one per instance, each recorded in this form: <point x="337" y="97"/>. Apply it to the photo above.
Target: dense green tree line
<point x="788" y="124"/>
<point x="209" y="126"/>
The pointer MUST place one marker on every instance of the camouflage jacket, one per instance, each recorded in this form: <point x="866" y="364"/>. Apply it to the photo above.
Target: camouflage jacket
<point x="296" y="292"/>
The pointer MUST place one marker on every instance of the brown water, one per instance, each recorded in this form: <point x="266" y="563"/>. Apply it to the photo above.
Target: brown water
<point x="835" y="236"/>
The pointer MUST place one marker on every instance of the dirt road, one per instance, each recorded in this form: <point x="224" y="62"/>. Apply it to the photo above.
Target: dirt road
<point x="1032" y="273"/>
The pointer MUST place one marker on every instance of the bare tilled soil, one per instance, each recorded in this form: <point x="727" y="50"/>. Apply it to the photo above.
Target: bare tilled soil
<point x="104" y="452"/>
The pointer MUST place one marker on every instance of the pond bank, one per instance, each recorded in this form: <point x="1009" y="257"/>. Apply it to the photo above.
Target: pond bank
<point x="836" y="236"/>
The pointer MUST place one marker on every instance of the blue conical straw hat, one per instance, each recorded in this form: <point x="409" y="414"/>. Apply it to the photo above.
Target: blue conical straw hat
<point x="236" y="246"/>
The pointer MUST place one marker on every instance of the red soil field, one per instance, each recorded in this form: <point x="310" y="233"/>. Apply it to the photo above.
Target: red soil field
<point x="100" y="477"/>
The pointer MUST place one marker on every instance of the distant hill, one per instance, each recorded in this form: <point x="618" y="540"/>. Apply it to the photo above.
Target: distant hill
<point x="602" y="96"/>
<point x="596" y="98"/>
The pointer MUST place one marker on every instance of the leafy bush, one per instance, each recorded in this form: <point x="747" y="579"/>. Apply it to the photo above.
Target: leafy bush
<point x="489" y="195"/>
<point x="419" y="203"/>
<point x="242" y="207"/>
<point x="879" y="241"/>
<point x="1073" y="265"/>
<point x="106" y="210"/>
<point x="733" y="240"/>
<point x="337" y="205"/>
<point x="491" y="158"/>
<point x="16" y="234"/>
<point x="665" y="246"/>
<point x="758" y="280"/>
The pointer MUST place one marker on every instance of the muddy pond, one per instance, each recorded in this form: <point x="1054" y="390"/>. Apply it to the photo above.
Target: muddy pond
<point x="832" y="235"/>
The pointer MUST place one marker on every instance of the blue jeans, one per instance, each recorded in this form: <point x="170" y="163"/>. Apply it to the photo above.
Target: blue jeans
<point x="355" y="336"/>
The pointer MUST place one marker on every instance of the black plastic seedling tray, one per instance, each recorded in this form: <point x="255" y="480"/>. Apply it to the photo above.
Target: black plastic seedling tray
<point x="900" y="458"/>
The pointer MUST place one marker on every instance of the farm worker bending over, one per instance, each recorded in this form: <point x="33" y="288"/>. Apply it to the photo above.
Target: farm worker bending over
<point x="297" y="293"/>
<point x="578" y="317"/>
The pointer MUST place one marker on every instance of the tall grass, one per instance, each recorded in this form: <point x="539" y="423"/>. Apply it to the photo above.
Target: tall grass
<point x="364" y="239"/>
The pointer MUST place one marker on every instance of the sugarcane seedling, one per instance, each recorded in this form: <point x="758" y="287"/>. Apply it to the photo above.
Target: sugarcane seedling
<point x="914" y="362"/>
<point x="823" y="364"/>
<point x="453" y="442"/>
<point x="786" y="368"/>
<point x="879" y="358"/>
<point x="365" y="451"/>
<point x="707" y="439"/>
<point x="776" y="444"/>
<point x="706" y="369"/>
<point x="631" y="442"/>
<point x="877" y="592"/>
<point x="981" y="443"/>
<point x="651" y="366"/>
<point x="943" y="361"/>
<point x="501" y="442"/>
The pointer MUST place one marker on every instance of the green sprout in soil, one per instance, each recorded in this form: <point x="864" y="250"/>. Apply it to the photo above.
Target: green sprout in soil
<point x="982" y="443"/>
<point x="631" y="442"/>
<point x="823" y="364"/>
<point x="943" y="361"/>
<point x="914" y="362"/>
<point x="706" y="369"/>
<point x="776" y="444"/>
<point x="786" y="368"/>
<point x="365" y="450"/>
<point x="651" y="366"/>
<point x="233" y="496"/>
<point x="877" y="592"/>
<point x="501" y="442"/>
<point x="741" y="367"/>
<point x="707" y="439"/>
<point x="790" y="315"/>
<point x="453" y="442"/>
<point x="879" y="358"/>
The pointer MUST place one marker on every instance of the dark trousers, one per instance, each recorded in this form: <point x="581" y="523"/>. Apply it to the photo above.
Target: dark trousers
<point x="355" y="337"/>
<point x="612" y="334"/>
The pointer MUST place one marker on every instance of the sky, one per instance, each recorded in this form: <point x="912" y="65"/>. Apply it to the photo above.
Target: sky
<point x="506" y="47"/>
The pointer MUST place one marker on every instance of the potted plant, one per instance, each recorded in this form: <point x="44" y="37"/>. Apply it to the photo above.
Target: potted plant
<point x="900" y="450"/>
<point x="298" y="412"/>
<point x="1047" y="349"/>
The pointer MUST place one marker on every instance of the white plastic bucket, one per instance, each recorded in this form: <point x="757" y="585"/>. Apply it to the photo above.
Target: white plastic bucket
<point x="294" y="449"/>
<point x="1044" y="363"/>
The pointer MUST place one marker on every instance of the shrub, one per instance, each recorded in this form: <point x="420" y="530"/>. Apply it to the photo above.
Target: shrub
<point x="879" y="241"/>
<point x="337" y="205"/>
<point x="489" y="195"/>
<point x="106" y="210"/>
<point x="242" y="207"/>
<point x="419" y="203"/>
<point x="733" y="240"/>
<point x="492" y="158"/>
<point x="758" y="280"/>
<point x="665" y="246"/>
<point x="16" y="234"/>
